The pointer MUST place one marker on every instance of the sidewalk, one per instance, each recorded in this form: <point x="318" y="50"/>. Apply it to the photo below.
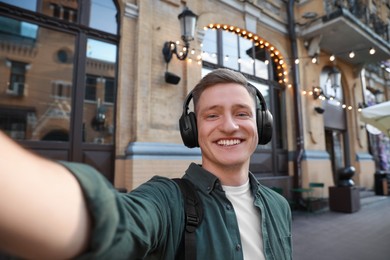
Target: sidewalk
<point x="344" y="236"/>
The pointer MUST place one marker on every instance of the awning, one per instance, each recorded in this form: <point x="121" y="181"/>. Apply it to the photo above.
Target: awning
<point x="378" y="116"/>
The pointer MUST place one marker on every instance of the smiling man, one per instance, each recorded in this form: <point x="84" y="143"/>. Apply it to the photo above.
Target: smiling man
<point x="74" y="213"/>
<point x="230" y="120"/>
<point x="226" y="118"/>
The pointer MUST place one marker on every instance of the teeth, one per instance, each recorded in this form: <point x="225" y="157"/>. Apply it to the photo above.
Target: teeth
<point x="229" y="142"/>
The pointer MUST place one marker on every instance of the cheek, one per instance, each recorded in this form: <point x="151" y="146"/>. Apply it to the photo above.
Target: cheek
<point x="255" y="132"/>
<point x="202" y="130"/>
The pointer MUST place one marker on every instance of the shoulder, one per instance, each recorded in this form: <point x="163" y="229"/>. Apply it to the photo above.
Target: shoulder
<point x="158" y="186"/>
<point x="270" y="194"/>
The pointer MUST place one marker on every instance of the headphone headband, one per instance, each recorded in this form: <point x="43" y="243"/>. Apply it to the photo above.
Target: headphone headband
<point x="260" y="96"/>
<point x="190" y="95"/>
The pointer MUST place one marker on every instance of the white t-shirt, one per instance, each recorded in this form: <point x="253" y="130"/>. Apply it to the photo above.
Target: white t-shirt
<point x="249" y="220"/>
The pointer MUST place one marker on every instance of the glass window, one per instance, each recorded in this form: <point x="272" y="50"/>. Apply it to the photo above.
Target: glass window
<point x="32" y="107"/>
<point x="246" y="56"/>
<point x="56" y="10"/>
<point x="280" y="122"/>
<point x="19" y="32"/>
<point x="264" y="90"/>
<point x="61" y="89"/>
<point x="103" y="51"/>
<point x="98" y="116"/>
<point x="64" y="10"/>
<point x="261" y="63"/>
<point x="210" y="47"/>
<point x="90" y="87"/>
<point x="17" y="78"/>
<point x="230" y="50"/>
<point x="14" y="122"/>
<point x="46" y="94"/>
<point x="333" y="87"/>
<point x="25" y="4"/>
<point x="109" y="90"/>
<point x="106" y="9"/>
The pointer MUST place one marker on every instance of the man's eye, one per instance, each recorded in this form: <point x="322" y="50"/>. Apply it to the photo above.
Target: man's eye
<point x="211" y="116"/>
<point x="242" y="114"/>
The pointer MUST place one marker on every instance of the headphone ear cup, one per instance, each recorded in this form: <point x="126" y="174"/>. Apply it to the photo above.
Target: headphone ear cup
<point x="189" y="130"/>
<point x="264" y="126"/>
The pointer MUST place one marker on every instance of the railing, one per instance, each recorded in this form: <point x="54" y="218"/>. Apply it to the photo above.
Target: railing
<point x="367" y="12"/>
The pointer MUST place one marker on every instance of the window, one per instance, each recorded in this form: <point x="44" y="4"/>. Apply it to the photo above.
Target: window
<point x="90" y="88"/>
<point x="64" y="12"/>
<point x="209" y="50"/>
<point x="18" y="32"/>
<point x="109" y="90"/>
<point x="14" y="121"/>
<point x="100" y="8"/>
<point x="17" y="84"/>
<point x="44" y="77"/>
<point x="237" y="53"/>
<point x="26" y="4"/>
<point x="231" y="57"/>
<point x="61" y="89"/>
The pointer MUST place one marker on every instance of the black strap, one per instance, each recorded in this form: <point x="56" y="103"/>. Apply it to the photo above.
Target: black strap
<point x="193" y="215"/>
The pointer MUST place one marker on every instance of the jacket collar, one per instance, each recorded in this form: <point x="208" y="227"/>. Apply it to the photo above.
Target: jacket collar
<point x="207" y="181"/>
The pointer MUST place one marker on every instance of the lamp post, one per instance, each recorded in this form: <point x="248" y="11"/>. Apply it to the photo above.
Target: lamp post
<point x="187" y="26"/>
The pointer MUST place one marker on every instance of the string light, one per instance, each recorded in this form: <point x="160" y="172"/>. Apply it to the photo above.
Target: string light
<point x="351" y="55"/>
<point x="261" y="43"/>
<point x="317" y="93"/>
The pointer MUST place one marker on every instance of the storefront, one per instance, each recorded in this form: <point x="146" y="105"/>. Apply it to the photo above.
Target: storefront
<point x="85" y="81"/>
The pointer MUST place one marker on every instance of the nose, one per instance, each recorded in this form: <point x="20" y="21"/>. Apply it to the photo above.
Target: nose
<point x="229" y="124"/>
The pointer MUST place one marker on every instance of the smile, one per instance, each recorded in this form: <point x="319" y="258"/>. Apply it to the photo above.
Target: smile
<point x="229" y="142"/>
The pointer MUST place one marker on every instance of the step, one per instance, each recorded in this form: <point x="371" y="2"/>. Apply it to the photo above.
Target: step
<point x="366" y="193"/>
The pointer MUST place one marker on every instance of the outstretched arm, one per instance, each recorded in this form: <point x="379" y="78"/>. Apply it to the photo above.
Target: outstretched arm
<point x="42" y="209"/>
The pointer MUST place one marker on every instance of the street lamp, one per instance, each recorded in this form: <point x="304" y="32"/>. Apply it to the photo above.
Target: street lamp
<point x="187" y="26"/>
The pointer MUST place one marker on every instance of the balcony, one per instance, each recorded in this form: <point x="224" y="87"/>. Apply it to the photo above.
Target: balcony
<point x="349" y="28"/>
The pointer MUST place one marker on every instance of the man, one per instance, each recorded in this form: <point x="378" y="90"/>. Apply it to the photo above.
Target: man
<point x="75" y="212"/>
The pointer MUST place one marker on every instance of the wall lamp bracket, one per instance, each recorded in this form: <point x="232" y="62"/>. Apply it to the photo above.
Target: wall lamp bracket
<point x="317" y="92"/>
<point x="170" y="48"/>
<point x="187" y="27"/>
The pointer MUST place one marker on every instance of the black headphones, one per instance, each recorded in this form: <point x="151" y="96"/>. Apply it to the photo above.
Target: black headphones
<point x="189" y="131"/>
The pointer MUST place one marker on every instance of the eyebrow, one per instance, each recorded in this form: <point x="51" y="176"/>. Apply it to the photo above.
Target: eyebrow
<point x="219" y="106"/>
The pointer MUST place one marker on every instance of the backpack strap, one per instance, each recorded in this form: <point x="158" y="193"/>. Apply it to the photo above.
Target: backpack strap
<point x="193" y="216"/>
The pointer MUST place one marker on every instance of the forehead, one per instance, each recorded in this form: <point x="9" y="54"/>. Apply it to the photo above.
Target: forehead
<point x="225" y="94"/>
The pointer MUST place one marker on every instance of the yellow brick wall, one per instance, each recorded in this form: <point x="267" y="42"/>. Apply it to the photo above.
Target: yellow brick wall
<point x="138" y="171"/>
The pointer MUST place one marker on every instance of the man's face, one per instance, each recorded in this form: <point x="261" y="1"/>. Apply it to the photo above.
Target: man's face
<point x="226" y="121"/>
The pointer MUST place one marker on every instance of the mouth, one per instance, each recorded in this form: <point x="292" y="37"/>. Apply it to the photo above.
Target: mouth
<point x="229" y="142"/>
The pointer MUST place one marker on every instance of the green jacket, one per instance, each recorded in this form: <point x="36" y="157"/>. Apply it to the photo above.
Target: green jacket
<point x="148" y="222"/>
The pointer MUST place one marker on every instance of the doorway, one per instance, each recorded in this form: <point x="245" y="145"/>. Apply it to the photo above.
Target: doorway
<point x="334" y="146"/>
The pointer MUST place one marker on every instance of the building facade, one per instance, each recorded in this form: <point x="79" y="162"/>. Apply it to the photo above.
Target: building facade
<point x="85" y="81"/>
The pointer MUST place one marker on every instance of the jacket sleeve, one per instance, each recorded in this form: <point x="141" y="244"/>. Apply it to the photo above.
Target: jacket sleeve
<point x="145" y="222"/>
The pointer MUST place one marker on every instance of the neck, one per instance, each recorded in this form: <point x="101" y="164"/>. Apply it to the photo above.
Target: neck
<point x="231" y="175"/>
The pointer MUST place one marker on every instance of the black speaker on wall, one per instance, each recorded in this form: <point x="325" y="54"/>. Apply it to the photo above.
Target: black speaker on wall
<point x="319" y="110"/>
<point x="171" y="78"/>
